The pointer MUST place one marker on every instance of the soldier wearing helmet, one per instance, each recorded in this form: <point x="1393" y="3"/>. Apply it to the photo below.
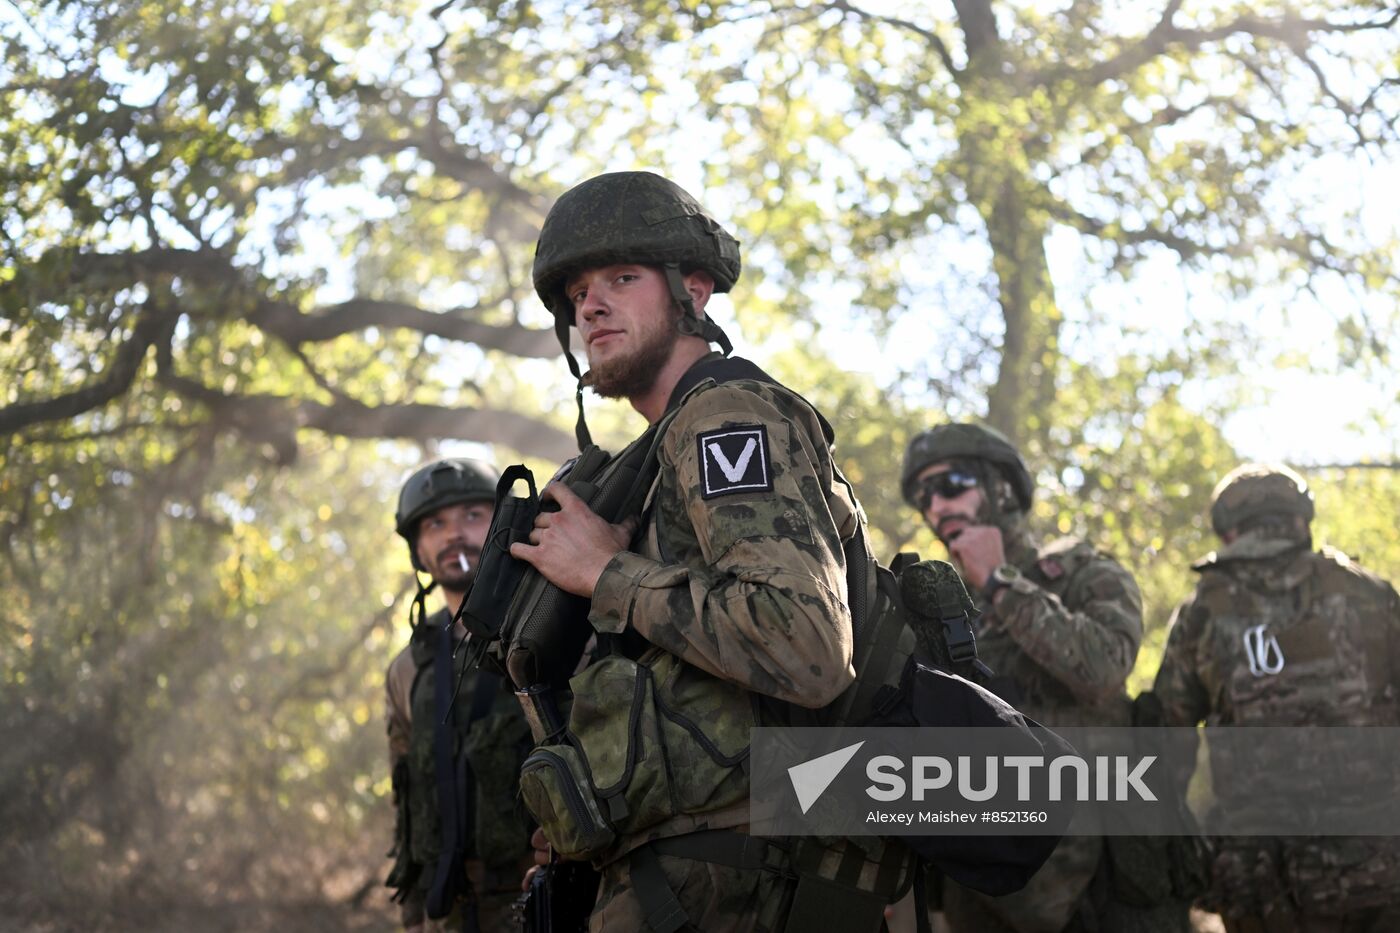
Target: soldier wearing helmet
<point x="1060" y="626"/>
<point x="464" y="877"/>
<point x="1280" y="634"/>
<point x="729" y="588"/>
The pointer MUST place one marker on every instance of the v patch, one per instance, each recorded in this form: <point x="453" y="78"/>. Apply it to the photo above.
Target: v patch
<point x="734" y="460"/>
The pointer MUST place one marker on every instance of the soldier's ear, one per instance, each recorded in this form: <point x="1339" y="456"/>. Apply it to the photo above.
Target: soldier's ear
<point x="700" y="285"/>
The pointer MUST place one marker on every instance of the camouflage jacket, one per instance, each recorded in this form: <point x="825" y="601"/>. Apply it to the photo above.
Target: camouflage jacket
<point x="492" y="748"/>
<point x="1328" y="652"/>
<point x="738" y="569"/>
<point x="1279" y="635"/>
<point x="1065" y="635"/>
<point x="1061" y="641"/>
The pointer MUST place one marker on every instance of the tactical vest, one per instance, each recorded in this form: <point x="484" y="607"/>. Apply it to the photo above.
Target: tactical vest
<point x="655" y="759"/>
<point x="1300" y="642"/>
<point x="479" y="753"/>
<point x="1306" y="639"/>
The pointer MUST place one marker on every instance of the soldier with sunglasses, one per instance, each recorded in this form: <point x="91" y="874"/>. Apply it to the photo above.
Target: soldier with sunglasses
<point x="1060" y="625"/>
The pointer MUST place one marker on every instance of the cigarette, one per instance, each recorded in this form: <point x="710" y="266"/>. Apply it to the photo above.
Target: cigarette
<point x="462" y="562"/>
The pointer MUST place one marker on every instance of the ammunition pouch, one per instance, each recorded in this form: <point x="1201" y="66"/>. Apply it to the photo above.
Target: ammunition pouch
<point x="635" y="756"/>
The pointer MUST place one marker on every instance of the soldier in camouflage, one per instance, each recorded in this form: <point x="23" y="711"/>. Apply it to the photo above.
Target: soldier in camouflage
<point x="444" y="512"/>
<point x="1278" y="634"/>
<point x="731" y="586"/>
<point x="1060" y="627"/>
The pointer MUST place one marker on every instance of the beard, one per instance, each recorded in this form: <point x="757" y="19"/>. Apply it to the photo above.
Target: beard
<point x="448" y="573"/>
<point x="631" y="374"/>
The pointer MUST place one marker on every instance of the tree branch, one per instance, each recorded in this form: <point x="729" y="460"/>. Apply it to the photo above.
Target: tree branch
<point x="275" y="419"/>
<point x="295" y="328"/>
<point x="282" y="319"/>
<point x="1164" y="35"/>
<point x="152" y="328"/>
<point x="928" y="35"/>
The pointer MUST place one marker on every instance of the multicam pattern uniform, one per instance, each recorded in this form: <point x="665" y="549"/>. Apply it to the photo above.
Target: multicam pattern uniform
<point x="1061" y="640"/>
<point x="749" y="587"/>
<point x="1338" y="634"/>
<point x="499" y="852"/>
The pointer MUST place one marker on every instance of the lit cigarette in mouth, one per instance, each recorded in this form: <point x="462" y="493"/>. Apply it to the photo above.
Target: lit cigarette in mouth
<point x="462" y="562"/>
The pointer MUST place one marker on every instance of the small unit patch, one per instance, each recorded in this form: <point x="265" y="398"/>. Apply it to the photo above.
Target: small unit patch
<point x="734" y="460"/>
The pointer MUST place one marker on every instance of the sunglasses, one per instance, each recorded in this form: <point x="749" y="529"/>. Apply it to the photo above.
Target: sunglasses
<point x="947" y="485"/>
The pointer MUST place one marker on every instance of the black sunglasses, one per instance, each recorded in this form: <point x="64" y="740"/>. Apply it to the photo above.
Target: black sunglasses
<point x="947" y="485"/>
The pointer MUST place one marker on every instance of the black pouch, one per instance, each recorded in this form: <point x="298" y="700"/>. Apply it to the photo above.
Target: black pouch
<point x="544" y="632"/>
<point x="499" y="574"/>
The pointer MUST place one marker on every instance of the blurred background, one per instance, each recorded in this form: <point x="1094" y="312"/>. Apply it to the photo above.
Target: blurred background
<point x="258" y="260"/>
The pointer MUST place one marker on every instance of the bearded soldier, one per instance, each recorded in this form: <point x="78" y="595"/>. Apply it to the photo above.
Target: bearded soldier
<point x="1060" y="625"/>
<point x="1278" y="634"/>
<point x="727" y="595"/>
<point x="460" y="839"/>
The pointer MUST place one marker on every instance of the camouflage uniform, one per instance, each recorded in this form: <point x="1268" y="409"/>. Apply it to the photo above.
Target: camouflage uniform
<point x="1331" y="656"/>
<point x="1061" y="637"/>
<point x="729" y="609"/>
<point x="499" y="852"/>
<point x="490" y="740"/>
<point x="747" y="586"/>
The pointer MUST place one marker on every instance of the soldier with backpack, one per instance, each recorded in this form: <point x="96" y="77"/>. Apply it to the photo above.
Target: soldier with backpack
<point x="460" y="838"/>
<point x="1280" y="634"/>
<point x="727" y="596"/>
<point x="1059" y="624"/>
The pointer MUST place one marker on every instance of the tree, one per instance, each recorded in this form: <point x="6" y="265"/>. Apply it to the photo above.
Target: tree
<point x="885" y="139"/>
<point x="244" y="246"/>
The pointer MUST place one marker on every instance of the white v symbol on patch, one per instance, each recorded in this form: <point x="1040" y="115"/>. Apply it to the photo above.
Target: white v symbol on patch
<point x="734" y="471"/>
<point x="750" y="472"/>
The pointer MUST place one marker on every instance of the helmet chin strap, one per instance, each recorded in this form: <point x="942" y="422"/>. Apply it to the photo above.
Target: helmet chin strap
<point x="418" y="610"/>
<point x="691" y="324"/>
<point x="561" y="330"/>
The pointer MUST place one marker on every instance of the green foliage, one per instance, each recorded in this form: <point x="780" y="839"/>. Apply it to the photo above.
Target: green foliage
<point x="243" y="244"/>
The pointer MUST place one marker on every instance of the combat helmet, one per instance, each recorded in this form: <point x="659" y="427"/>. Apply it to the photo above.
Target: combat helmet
<point x="1257" y="489"/>
<point x="965" y="442"/>
<point x="445" y="482"/>
<point x="632" y="217"/>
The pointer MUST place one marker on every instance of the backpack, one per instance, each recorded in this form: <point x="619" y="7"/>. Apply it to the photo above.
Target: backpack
<point x="588" y="794"/>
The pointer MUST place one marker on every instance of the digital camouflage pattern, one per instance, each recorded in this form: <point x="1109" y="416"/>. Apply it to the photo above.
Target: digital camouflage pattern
<point x="747" y="587"/>
<point x="747" y="593"/>
<point x="628" y="217"/>
<point x="494" y="746"/>
<point x="1061" y="640"/>
<point x="1256" y="489"/>
<point x="1328" y="654"/>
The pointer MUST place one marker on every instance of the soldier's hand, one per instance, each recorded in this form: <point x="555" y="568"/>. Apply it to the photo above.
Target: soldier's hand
<point x="541" y="846"/>
<point x="572" y="546"/>
<point x="978" y="551"/>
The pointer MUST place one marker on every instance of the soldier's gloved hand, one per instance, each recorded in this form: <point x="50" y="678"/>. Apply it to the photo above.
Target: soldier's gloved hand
<point x="572" y="546"/>
<point x="978" y="550"/>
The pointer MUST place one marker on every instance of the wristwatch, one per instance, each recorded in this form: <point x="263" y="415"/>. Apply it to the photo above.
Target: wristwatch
<point x="998" y="579"/>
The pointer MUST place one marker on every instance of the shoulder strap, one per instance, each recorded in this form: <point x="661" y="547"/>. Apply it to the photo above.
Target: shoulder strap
<point x="443" y="890"/>
<point x="724" y="369"/>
